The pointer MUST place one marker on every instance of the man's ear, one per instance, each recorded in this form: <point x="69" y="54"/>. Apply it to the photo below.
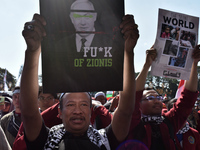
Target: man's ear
<point x="60" y="113"/>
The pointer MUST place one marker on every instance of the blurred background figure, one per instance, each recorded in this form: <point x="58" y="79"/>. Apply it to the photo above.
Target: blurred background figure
<point x="10" y="122"/>
<point x="197" y="104"/>
<point x="187" y="137"/>
<point x="46" y="100"/>
<point x="101" y="97"/>
<point x="7" y="106"/>
<point x="194" y="116"/>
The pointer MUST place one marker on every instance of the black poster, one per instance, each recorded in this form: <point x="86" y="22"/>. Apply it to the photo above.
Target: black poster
<point x="83" y="50"/>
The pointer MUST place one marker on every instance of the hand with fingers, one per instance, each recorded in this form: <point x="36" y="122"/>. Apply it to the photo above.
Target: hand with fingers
<point x="114" y="103"/>
<point x="196" y="54"/>
<point x="34" y="32"/>
<point x="150" y="56"/>
<point x="130" y="31"/>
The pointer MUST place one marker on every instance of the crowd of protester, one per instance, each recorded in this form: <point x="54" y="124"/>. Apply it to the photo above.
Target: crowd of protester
<point x="79" y="121"/>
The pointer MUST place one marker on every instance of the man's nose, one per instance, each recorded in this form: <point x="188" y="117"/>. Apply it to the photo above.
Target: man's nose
<point x="82" y="20"/>
<point x="156" y="100"/>
<point x="77" y="109"/>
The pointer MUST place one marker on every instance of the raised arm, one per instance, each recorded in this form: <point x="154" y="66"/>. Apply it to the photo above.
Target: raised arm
<point x="141" y="78"/>
<point x="183" y="107"/>
<point x="122" y="116"/>
<point x="33" y="33"/>
<point x="191" y="84"/>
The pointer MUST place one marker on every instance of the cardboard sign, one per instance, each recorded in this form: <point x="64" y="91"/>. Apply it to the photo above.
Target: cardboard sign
<point x="84" y="48"/>
<point x="177" y="35"/>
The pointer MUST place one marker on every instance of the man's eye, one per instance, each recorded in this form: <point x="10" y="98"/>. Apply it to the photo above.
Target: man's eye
<point x="84" y="104"/>
<point x="150" y="98"/>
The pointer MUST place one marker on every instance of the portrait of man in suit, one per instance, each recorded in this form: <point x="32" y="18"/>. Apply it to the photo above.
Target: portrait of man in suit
<point x="83" y="17"/>
<point x="84" y="42"/>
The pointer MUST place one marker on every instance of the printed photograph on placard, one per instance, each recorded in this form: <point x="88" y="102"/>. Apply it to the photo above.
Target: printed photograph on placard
<point x="169" y="32"/>
<point x="187" y="39"/>
<point x="180" y="60"/>
<point x="171" y="47"/>
<point x="177" y="35"/>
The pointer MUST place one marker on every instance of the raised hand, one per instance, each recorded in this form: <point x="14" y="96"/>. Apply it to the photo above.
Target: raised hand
<point x="34" y="32"/>
<point x="130" y="31"/>
<point x="196" y="54"/>
<point x="150" y="56"/>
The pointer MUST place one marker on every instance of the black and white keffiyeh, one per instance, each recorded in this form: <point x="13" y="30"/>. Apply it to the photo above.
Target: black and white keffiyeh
<point x="158" y="119"/>
<point x="184" y="129"/>
<point x="56" y="133"/>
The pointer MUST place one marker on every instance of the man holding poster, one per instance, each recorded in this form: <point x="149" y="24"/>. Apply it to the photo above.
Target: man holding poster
<point x="75" y="108"/>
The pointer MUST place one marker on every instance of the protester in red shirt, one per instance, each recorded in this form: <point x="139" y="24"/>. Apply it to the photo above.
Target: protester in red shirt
<point x="49" y="115"/>
<point x="153" y="130"/>
<point x="187" y="137"/>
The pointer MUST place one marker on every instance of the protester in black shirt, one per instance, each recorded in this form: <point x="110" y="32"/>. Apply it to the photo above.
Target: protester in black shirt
<point x="75" y="132"/>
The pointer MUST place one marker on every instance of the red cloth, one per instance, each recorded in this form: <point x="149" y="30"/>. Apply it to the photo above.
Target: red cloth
<point x="104" y="115"/>
<point x="19" y="143"/>
<point x="191" y="140"/>
<point x="50" y="117"/>
<point x="177" y="116"/>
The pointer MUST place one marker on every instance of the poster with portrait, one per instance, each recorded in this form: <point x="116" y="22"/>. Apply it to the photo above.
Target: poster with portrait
<point x="177" y="35"/>
<point x="83" y="50"/>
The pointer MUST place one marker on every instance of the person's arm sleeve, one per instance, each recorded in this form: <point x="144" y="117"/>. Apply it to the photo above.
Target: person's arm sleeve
<point x="136" y="116"/>
<point x="39" y="142"/>
<point x="181" y="109"/>
<point x="104" y="115"/>
<point x="113" y="142"/>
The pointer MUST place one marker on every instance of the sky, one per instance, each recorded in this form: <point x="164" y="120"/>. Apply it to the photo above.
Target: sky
<point x="14" y="13"/>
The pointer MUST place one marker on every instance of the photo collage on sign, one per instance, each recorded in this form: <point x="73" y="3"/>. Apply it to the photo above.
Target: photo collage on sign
<point x="177" y="45"/>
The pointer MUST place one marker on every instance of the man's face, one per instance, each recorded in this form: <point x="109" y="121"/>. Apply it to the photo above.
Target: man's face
<point x="6" y="107"/>
<point x="76" y="112"/>
<point x="101" y="99"/>
<point x="167" y="30"/>
<point x="153" y="106"/>
<point x="16" y="101"/>
<point x="83" y="22"/>
<point x="45" y="101"/>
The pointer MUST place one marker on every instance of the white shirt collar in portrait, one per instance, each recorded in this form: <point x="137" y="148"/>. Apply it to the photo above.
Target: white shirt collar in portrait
<point x="89" y="39"/>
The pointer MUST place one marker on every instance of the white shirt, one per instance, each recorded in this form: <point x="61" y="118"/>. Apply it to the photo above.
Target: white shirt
<point x="89" y="39"/>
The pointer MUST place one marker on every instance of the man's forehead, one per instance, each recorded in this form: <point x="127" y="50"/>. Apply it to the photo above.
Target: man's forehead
<point x="16" y="94"/>
<point x="45" y="94"/>
<point x="82" y="6"/>
<point x="149" y="92"/>
<point x="100" y="96"/>
<point x="78" y="95"/>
